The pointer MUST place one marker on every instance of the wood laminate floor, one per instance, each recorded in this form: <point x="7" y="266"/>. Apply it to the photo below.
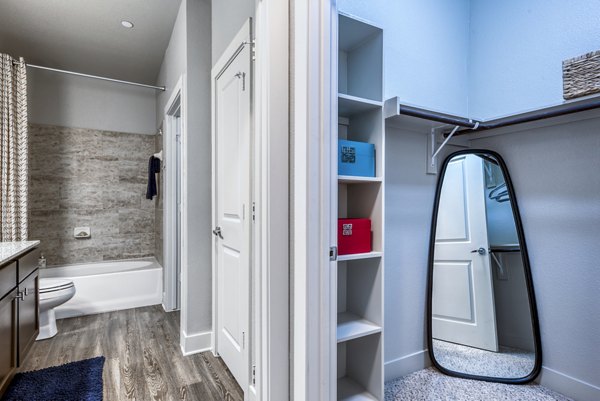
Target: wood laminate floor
<point x="143" y="358"/>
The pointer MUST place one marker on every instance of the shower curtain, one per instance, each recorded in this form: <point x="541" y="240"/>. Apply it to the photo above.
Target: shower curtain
<point x="13" y="149"/>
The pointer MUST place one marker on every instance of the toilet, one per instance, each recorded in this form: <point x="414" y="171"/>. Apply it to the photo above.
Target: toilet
<point x="53" y="292"/>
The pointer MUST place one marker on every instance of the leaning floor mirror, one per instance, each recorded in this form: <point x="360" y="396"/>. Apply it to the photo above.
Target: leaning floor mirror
<point x="482" y="314"/>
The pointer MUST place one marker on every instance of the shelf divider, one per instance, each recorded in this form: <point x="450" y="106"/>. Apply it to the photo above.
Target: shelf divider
<point x="351" y="179"/>
<point x="349" y="105"/>
<point x="357" y="256"/>
<point x="351" y="326"/>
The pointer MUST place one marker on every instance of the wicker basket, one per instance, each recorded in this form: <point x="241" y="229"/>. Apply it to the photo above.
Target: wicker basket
<point x="581" y="75"/>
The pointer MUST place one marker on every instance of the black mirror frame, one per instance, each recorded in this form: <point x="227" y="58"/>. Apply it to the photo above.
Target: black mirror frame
<point x="529" y="282"/>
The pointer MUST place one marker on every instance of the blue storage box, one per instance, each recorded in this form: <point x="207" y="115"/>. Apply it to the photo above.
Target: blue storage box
<point x="356" y="158"/>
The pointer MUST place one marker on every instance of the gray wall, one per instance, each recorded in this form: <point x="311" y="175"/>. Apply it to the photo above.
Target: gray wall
<point x="517" y="48"/>
<point x="174" y="63"/>
<point x="84" y="177"/>
<point x="555" y="174"/>
<point x="229" y="16"/>
<point x="69" y="101"/>
<point x="409" y="196"/>
<point x="189" y="53"/>
<point x="199" y="166"/>
<point x="513" y="319"/>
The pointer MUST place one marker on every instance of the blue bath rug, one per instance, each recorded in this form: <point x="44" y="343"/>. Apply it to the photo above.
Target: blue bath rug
<point x="75" y="381"/>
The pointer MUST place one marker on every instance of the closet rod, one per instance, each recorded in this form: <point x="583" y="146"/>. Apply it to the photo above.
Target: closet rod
<point x="435" y="116"/>
<point x="79" y="74"/>
<point x="530" y="117"/>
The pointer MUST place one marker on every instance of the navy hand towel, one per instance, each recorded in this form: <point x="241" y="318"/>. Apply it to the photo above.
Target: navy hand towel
<point x="153" y="168"/>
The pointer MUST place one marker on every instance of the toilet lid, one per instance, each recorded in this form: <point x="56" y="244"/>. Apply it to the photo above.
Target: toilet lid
<point x="54" y="284"/>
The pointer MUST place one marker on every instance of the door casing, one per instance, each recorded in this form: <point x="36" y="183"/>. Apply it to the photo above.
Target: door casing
<point x="173" y="242"/>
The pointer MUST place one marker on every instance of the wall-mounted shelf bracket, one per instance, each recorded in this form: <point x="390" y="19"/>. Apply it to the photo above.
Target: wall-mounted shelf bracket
<point x="432" y="152"/>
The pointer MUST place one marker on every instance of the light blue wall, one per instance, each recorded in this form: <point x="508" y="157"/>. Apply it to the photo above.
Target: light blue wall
<point x="517" y="48"/>
<point x="426" y="46"/>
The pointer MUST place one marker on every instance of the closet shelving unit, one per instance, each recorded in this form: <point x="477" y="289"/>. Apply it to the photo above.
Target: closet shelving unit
<point x="359" y="334"/>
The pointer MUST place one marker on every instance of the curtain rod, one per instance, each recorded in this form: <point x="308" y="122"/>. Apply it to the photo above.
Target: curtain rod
<point x="79" y="74"/>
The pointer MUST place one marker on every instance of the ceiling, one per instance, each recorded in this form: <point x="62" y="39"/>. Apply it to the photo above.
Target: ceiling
<point x="87" y="36"/>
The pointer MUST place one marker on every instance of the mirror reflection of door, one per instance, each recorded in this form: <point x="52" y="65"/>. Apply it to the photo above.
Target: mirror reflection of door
<point x="463" y="295"/>
<point x="481" y="319"/>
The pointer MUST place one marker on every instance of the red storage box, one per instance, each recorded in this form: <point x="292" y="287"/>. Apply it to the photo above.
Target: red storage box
<point x="354" y="236"/>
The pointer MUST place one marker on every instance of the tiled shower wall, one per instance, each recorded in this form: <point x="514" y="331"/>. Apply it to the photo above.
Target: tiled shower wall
<point x="91" y="178"/>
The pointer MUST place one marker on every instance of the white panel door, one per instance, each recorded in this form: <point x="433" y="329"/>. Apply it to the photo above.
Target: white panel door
<point x="233" y="214"/>
<point x="463" y="297"/>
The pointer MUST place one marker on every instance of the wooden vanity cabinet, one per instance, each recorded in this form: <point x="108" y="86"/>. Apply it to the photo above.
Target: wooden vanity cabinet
<point x="28" y="312"/>
<point x="8" y="338"/>
<point x="19" y="313"/>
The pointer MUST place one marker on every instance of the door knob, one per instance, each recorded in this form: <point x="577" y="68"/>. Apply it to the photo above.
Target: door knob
<point x="480" y="251"/>
<point x="217" y="232"/>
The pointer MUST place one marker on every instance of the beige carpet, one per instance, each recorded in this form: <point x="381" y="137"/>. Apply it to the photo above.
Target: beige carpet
<point x="509" y="362"/>
<point x="431" y="385"/>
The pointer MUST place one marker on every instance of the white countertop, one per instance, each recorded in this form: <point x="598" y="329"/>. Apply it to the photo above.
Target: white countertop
<point x="11" y="250"/>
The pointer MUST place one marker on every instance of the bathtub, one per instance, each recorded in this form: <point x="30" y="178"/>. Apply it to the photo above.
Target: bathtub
<point x="109" y="286"/>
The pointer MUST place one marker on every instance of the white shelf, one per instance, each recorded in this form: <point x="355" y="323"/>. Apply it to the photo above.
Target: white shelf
<point x="349" y="105"/>
<point x="359" y="290"/>
<point x="349" y="390"/>
<point x="357" y="256"/>
<point x="351" y="179"/>
<point x="351" y="326"/>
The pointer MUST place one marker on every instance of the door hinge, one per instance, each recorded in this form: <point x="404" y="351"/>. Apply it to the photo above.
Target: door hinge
<point x="253" y="374"/>
<point x="252" y="44"/>
<point x="242" y="76"/>
<point x="333" y="253"/>
<point x="243" y="339"/>
<point x="253" y="211"/>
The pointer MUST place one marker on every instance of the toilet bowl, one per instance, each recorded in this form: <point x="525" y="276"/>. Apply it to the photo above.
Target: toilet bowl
<point x="53" y="292"/>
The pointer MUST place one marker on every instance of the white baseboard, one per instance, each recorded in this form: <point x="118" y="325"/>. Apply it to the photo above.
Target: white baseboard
<point x="571" y="387"/>
<point x="195" y="343"/>
<point x="406" y="364"/>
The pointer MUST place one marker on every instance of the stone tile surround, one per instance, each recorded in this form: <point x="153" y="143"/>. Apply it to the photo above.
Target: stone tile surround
<point x="85" y="177"/>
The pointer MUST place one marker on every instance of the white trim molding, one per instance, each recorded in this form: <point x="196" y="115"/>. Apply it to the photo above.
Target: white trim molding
<point x="406" y="364"/>
<point x="196" y="342"/>
<point x="271" y="327"/>
<point x="314" y="118"/>
<point x="567" y="385"/>
<point x="170" y="208"/>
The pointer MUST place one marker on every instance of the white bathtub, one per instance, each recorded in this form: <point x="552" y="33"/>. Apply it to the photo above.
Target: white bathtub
<point x="109" y="286"/>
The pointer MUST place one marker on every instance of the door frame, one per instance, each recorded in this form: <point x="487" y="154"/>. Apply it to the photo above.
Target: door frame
<point x="314" y="164"/>
<point x="170" y="245"/>
<point x="239" y="42"/>
<point x="271" y="312"/>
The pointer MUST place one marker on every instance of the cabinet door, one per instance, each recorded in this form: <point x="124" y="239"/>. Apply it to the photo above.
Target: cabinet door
<point x="8" y="338"/>
<point x="28" y="314"/>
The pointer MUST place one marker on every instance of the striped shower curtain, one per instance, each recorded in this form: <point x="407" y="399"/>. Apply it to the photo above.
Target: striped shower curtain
<point x="13" y="149"/>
